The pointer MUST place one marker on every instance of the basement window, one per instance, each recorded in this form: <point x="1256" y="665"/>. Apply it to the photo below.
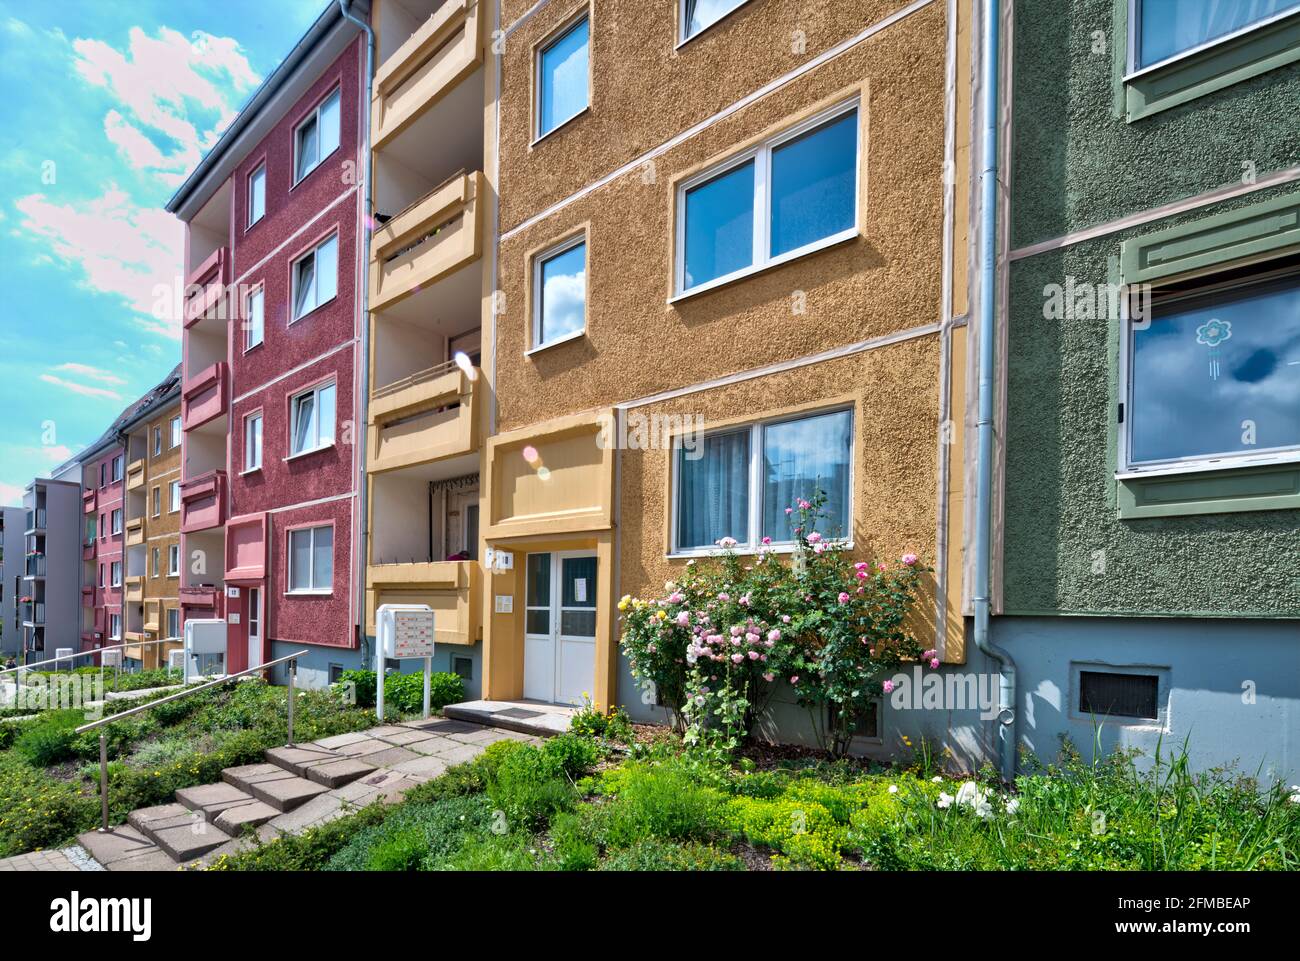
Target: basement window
<point x="463" y="667"/>
<point x="1119" y="695"/>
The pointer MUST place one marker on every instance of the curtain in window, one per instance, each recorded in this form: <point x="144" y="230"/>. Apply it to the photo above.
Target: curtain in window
<point x="304" y="431"/>
<point x="322" y="572"/>
<point x="713" y="494"/>
<point x="1171" y="26"/>
<point x="800" y="458"/>
<point x="299" y="560"/>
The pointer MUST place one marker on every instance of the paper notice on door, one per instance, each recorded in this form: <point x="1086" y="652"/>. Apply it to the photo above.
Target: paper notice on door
<point x="580" y="590"/>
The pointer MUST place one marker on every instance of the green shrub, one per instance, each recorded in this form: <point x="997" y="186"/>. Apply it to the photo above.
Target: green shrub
<point x="498" y="852"/>
<point x="404" y="692"/>
<point x="574" y="755"/>
<point x="37" y="811"/>
<point x="572" y="843"/>
<point x="653" y="854"/>
<point x="308" y="851"/>
<point x="661" y="801"/>
<point x="50" y="740"/>
<point x="529" y="786"/>
<point x="803" y="831"/>
<point x="414" y="836"/>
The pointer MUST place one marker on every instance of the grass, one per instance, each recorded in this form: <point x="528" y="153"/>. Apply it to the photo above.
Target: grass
<point x="564" y="806"/>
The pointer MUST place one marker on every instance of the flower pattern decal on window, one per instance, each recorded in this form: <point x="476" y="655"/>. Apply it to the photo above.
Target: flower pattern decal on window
<point x="1212" y="333"/>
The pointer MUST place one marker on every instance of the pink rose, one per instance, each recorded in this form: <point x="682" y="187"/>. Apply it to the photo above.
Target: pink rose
<point x="683" y="619"/>
<point x="909" y="559"/>
<point x="934" y="662"/>
<point x="769" y="677"/>
<point x="844" y="598"/>
<point x="889" y="686"/>
<point x="737" y="658"/>
<point x="774" y="635"/>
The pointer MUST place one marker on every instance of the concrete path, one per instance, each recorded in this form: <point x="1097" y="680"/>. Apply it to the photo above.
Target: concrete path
<point x="296" y="789"/>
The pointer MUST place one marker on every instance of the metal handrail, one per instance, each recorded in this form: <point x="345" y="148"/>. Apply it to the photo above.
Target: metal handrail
<point x="99" y="650"/>
<point x="292" y="659"/>
<point x="419" y="377"/>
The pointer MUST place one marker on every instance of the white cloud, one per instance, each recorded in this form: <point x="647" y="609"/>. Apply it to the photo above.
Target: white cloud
<point x="86" y="390"/>
<point x="94" y="373"/>
<point x="124" y="249"/>
<point x="11" y="495"/>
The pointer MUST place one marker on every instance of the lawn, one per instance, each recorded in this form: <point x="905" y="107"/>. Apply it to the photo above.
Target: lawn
<point x="588" y="802"/>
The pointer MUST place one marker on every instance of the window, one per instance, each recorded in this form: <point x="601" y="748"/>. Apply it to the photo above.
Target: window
<point x="785" y="198"/>
<point x="311" y="418"/>
<point x="257" y="195"/>
<point x="463" y="667"/>
<point x="174" y="496"/>
<point x="698" y="15"/>
<point x="173" y="622"/>
<point x="1164" y="29"/>
<point x="117" y="521"/>
<point x="176" y="432"/>
<point x="1123" y="695"/>
<point x="316" y="278"/>
<point x="336" y="673"/>
<point x="117" y="468"/>
<point x="563" y="89"/>
<point x="157" y="501"/>
<point x="311" y="560"/>
<point x="103" y="476"/>
<point x="103" y="527"/>
<point x="102" y="583"/>
<point x="252" y="442"/>
<point x="157" y="562"/>
<point x="254" y="319"/>
<point x="738" y="482"/>
<point x="173" y="560"/>
<point x="115" y="627"/>
<point x="157" y="441"/>
<point x="1211" y="376"/>
<point x="316" y="137"/>
<point x="115" y="572"/>
<point x="560" y="293"/>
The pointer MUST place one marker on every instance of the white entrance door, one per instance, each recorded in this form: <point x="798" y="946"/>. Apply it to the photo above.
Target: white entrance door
<point x="560" y="626"/>
<point x="254" y="626"/>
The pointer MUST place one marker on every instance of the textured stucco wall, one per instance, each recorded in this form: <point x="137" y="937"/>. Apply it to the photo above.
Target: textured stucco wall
<point x="636" y="344"/>
<point x="109" y="548"/>
<point x="164" y="530"/>
<point x="1077" y="162"/>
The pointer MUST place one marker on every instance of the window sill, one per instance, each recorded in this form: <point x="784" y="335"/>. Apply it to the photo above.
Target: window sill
<point x="559" y="126"/>
<point x="577" y="334"/>
<point x="328" y="593"/>
<point x="740" y="550"/>
<point x="834" y="240"/>
<point x="703" y="30"/>
<point x="249" y="350"/>
<point x="1250" y="486"/>
<point x="320" y="306"/>
<point x="309" y="452"/>
<point x="251" y="470"/>
<point x="1221" y="63"/>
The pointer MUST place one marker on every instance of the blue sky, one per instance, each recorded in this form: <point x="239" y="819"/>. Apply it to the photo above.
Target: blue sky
<point x="105" y="106"/>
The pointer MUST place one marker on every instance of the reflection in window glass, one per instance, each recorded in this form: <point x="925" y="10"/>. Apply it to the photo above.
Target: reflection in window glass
<point x="563" y="297"/>
<point x="1217" y="374"/>
<point x="701" y="14"/>
<point x="800" y="458"/>
<point x="720" y="226"/>
<point x="1170" y="27"/>
<point x="713" y="491"/>
<point x="562" y="78"/>
<point x="814" y="178"/>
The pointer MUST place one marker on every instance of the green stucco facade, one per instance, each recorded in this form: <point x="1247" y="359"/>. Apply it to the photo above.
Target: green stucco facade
<point x="1079" y="161"/>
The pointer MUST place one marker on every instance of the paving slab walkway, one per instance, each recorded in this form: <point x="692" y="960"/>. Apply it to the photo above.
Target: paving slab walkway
<point x="296" y="789"/>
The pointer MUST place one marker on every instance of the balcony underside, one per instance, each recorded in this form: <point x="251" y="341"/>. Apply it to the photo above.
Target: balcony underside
<point x="452" y="588"/>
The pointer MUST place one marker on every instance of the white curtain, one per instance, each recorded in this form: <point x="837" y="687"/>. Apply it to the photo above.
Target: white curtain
<point x="713" y="495"/>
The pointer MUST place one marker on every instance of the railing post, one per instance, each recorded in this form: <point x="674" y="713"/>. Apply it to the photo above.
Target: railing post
<point x="103" y="779"/>
<point x="293" y="676"/>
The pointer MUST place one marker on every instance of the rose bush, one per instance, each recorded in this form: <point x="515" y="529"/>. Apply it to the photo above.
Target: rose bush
<point x="713" y="647"/>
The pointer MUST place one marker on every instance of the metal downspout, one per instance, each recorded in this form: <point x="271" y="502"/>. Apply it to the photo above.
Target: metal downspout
<point x="989" y="65"/>
<point x="367" y="228"/>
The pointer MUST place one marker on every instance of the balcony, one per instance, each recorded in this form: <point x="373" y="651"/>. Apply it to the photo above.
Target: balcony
<point x="33" y="613"/>
<point x="446" y="49"/>
<point x="89" y="501"/>
<point x="87" y="595"/>
<point x="135" y="475"/>
<point x="452" y="588"/>
<point x="203" y="502"/>
<point x="135" y="532"/>
<point x="35" y="565"/>
<point x="205" y="287"/>
<point x="135" y="589"/>
<point x="432" y="238"/>
<point x="36" y="520"/>
<point x="152" y="615"/>
<point x="201" y="600"/>
<point x="430" y="416"/>
<point x="206" y="395"/>
<point x="88" y="550"/>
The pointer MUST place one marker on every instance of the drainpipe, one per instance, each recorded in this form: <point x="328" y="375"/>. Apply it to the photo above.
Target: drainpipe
<point x="984" y="427"/>
<point x="367" y="228"/>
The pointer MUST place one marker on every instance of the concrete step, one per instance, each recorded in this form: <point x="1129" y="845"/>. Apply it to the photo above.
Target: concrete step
<point x="273" y="785"/>
<point x="246" y="775"/>
<point x="319" y="764"/>
<point x="234" y="820"/>
<point x="124" y="848"/>
<point x="211" y="799"/>
<point x="182" y="833"/>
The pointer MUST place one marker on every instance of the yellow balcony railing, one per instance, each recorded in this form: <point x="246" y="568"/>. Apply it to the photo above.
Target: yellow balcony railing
<point x="446" y="49"/>
<point x="435" y="236"/>
<point x="135" y="532"/>
<point x="452" y="588"/>
<point x="152" y="615"/>
<point x="135" y="475"/>
<point x="135" y="588"/>
<point x="429" y="416"/>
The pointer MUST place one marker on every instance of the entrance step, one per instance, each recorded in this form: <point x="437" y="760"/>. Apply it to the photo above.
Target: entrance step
<point x="124" y="848"/>
<point x="523" y="717"/>
<point x="329" y="768"/>
<point x="184" y="834"/>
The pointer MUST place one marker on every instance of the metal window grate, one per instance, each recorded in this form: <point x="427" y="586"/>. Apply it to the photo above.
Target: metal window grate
<point x="1121" y="695"/>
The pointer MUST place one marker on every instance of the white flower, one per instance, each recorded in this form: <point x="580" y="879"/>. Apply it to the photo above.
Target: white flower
<point x="1013" y="805"/>
<point x="945" y="800"/>
<point x="669" y="586"/>
<point x="968" y="793"/>
<point x="982" y="808"/>
<point x="893" y="789"/>
<point x="936" y="780"/>
<point x="1295" y="796"/>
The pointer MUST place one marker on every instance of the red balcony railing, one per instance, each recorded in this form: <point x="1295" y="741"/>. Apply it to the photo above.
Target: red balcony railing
<point x="203" y="502"/>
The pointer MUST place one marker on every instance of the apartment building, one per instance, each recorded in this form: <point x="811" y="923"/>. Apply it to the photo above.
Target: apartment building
<point x="152" y="600"/>
<point x="50" y="573"/>
<point x="1150" y="535"/>
<point x="269" y="465"/>
<point x="103" y="484"/>
<point x="13" y="563"/>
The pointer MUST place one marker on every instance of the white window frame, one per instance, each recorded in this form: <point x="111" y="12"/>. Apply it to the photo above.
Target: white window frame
<point x="750" y="543"/>
<point x="115" y="519"/>
<point x="176" y="433"/>
<point x="114" y="627"/>
<point x="251" y="462"/>
<point x="173" y="560"/>
<point x="173" y="497"/>
<point x="157" y="442"/>
<point x="1126" y="468"/>
<point x="1134" y="41"/>
<point x="313" y="253"/>
<point x="761" y="155"/>
<point x="555" y="37"/>
<point x="259" y="171"/>
<point x="293" y="418"/>
<point x="169" y="614"/>
<point x="683" y="37"/>
<point x="114" y="573"/>
<point x="578" y="240"/>
<point x="155" y="559"/>
<point x="316" y="116"/>
<point x="118" y="463"/>
<point x="156" y="494"/>
<point x="258" y="294"/>
<point x="311" y="554"/>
